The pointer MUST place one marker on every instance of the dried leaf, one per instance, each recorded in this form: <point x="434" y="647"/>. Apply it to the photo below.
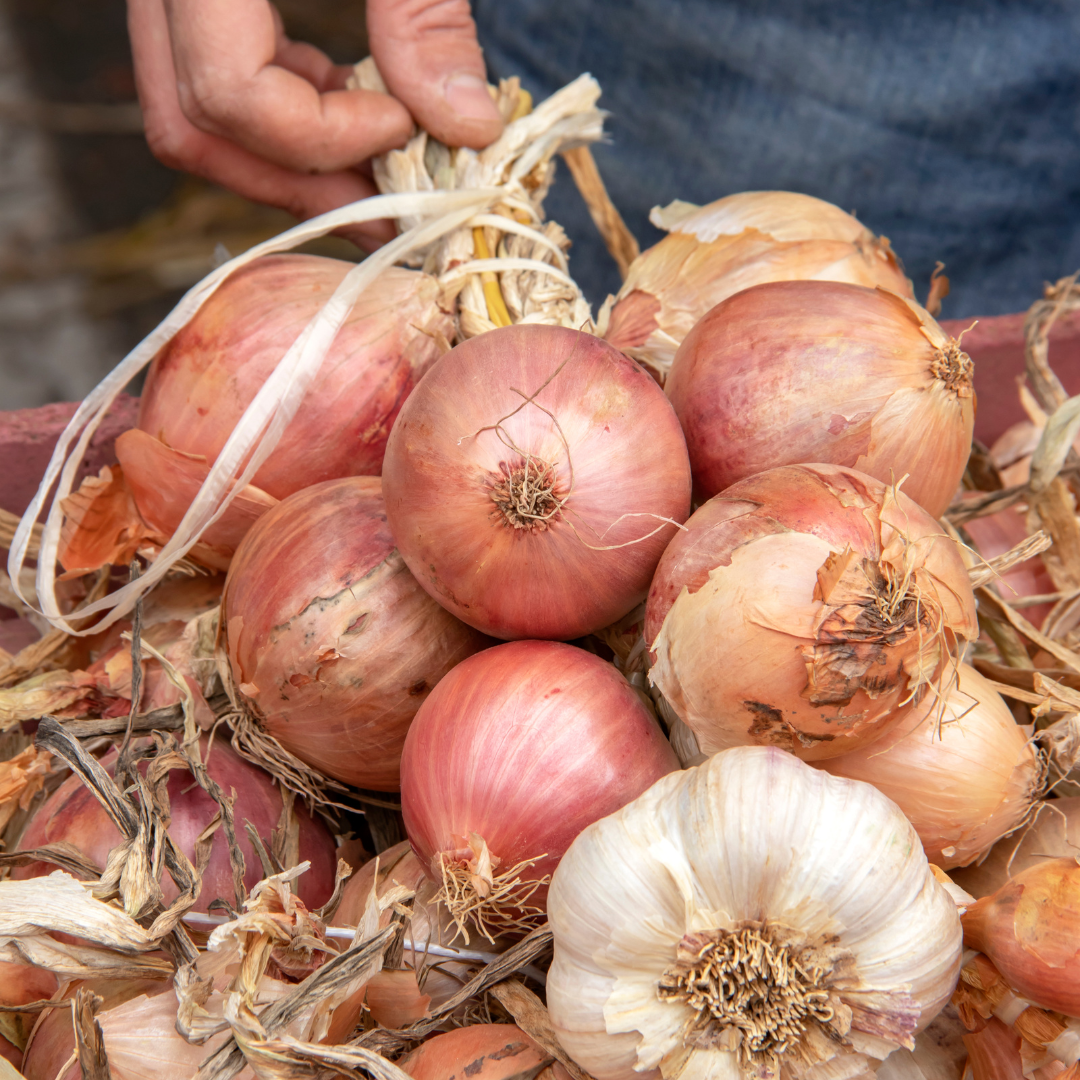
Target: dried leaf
<point x="531" y="1016"/>
<point x="21" y="778"/>
<point x="1002" y="610"/>
<point x="62" y="854"/>
<point x="1060" y="433"/>
<point x="89" y="1041"/>
<point x="986" y="571"/>
<point x="82" y="961"/>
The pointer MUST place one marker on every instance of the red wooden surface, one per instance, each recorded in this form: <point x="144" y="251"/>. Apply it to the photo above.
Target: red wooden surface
<point x="997" y="346"/>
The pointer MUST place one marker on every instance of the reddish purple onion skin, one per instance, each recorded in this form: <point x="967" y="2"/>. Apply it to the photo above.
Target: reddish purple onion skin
<point x="201" y="382"/>
<point x="331" y="640"/>
<point x="598" y="428"/>
<point x="797" y="371"/>
<point x="74" y="814"/>
<point x="525" y="745"/>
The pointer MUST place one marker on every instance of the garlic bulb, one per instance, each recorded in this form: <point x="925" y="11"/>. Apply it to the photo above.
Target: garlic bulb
<point x="962" y="770"/>
<point x="712" y="252"/>
<point x="751" y="917"/>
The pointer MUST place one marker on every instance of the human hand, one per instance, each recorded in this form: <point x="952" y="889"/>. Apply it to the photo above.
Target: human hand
<point x="227" y="96"/>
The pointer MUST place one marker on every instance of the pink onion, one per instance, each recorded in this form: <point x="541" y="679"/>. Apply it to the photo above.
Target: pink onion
<point x="712" y="252"/>
<point x="514" y="753"/>
<point x="331" y="641"/>
<point x="1030" y="930"/>
<point x="797" y="371"/>
<point x="808" y="607"/>
<point x="531" y="480"/>
<point x="201" y="382"/>
<point x="963" y="771"/>
<point x="74" y="815"/>
<point x="479" y="1052"/>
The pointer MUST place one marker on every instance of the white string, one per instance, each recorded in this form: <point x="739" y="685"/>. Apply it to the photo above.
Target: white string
<point x="269" y="413"/>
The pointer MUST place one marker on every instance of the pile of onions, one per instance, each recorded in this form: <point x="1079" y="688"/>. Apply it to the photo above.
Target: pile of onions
<point x="800" y="371"/>
<point x="962" y="770"/>
<point x="809" y="608"/>
<point x="532" y="481"/>
<point x="1030" y="929"/>
<point x="514" y="753"/>
<point x="715" y="251"/>
<point x="332" y="643"/>
<point x="1054" y="832"/>
<point x="74" y="815"/>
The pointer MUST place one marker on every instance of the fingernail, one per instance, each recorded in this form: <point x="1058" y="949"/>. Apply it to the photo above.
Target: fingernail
<point x="468" y="96"/>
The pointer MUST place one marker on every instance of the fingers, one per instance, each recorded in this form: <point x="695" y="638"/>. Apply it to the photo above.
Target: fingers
<point x="176" y="142"/>
<point x="428" y="55"/>
<point x="228" y="84"/>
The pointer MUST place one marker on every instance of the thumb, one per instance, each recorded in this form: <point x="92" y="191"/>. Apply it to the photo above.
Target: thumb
<point x="427" y="53"/>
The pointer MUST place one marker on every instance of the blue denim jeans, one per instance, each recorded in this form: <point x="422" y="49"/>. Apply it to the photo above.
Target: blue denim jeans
<point x="951" y="127"/>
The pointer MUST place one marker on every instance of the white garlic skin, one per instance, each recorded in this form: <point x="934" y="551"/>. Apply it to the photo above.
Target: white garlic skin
<point x="751" y="834"/>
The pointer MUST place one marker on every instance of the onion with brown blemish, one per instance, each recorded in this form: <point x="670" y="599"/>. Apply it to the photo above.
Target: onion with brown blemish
<point x="809" y="607"/>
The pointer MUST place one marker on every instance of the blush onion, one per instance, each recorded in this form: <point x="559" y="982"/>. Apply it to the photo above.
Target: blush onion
<point x="963" y="771"/>
<point x="800" y="371"/>
<point x="712" y="252"/>
<point x="331" y="642"/>
<point x="1030" y="929"/>
<point x="479" y="1052"/>
<point x="512" y="755"/>
<point x="200" y="384"/>
<point x="532" y="480"/>
<point x="74" y="815"/>
<point x="808" y="607"/>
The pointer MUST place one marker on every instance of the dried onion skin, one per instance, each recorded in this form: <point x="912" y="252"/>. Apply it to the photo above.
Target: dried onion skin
<point x="809" y="608"/>
<point x="799" y="371"/>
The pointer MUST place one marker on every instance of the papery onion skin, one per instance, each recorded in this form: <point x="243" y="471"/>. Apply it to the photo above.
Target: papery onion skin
<point x="963" y="771"/>
<point x="331" y="641"/>
<point x="994" y="1052"/>
<point x="203" y="379"/>
<point x="746" y="652"/>
<point x="751" y="836"/>
<point x="622" y="471"/>
<point x="799" y="371"/>
<point x="1030" y="929"/>
<point x="1053" y="832"/>
<point x="715" y="251"/>
<point x="524" y="745"/>
<point x="480" y="1052"/>
<point x="73" y="814"/>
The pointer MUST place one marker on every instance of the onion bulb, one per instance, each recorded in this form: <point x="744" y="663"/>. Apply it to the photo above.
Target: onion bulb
<point x="962" y="770"/>
<point x="19" y="985"/>
<point x="1030" y="929"/>
<point x="798" y="371"/>
<point x="74" y="815"/>
<point x="809" y="607"/>
<point x="332" y="643"/>
<point x="479" y="1052"/>
<point x="202" y="381"/>
<point x="712" y="252"/>
<point x="532" y="481"/>
<point x="512" y="755"/>
<point x="748" y="918"/>
<point x="1053" y="832"/>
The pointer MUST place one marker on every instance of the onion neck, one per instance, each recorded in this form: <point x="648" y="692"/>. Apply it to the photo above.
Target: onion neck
<point x="975" y="921"/>
<point x="954" y="368"/>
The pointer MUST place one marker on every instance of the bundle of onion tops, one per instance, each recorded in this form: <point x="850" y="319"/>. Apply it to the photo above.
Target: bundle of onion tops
<point x="642" y="678"/>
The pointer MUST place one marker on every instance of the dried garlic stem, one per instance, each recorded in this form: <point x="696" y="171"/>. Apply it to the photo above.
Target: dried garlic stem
<point x="493" y="903"/>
